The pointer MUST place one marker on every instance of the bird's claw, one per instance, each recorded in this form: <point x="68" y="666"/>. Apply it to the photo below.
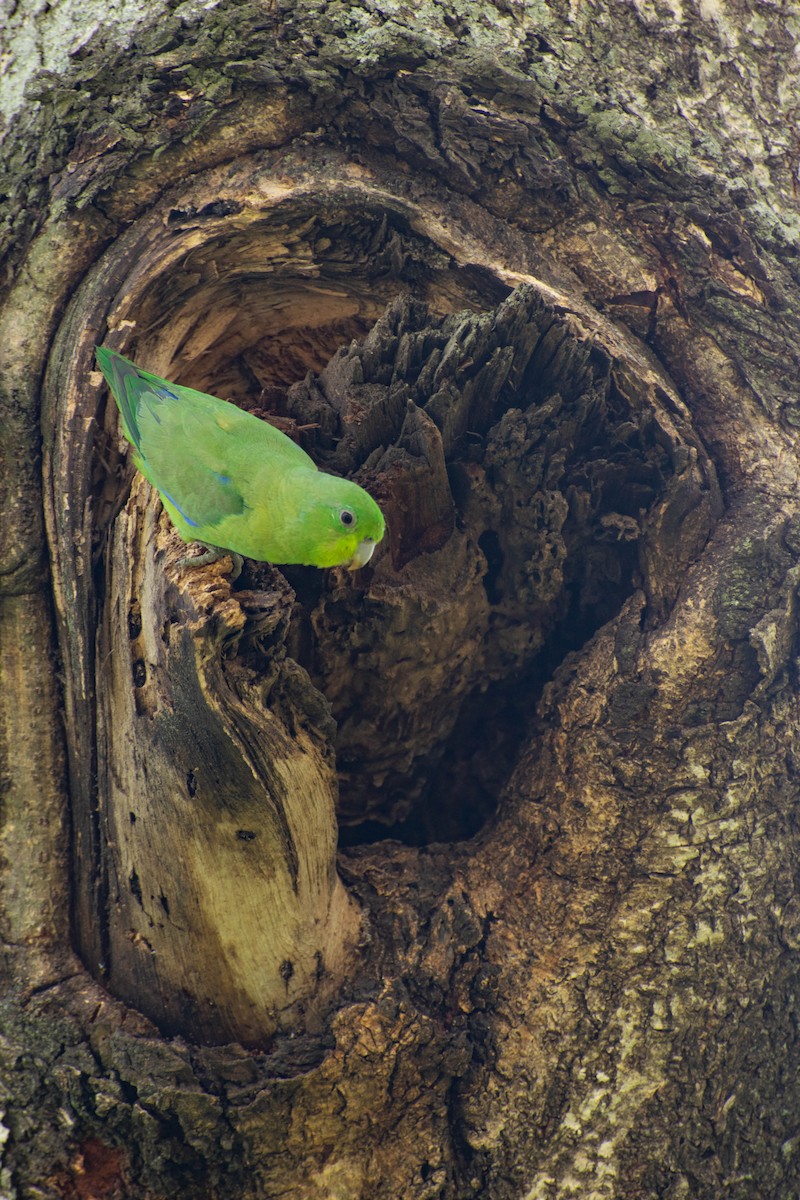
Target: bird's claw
<point x="212" y="554"/>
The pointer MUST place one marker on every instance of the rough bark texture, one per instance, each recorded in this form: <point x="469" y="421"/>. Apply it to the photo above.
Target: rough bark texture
<point x="216" y="880"/>
<point x="529" y="272"/>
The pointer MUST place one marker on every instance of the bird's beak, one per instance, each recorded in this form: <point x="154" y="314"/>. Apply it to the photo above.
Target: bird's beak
<point x="364" y="552"/>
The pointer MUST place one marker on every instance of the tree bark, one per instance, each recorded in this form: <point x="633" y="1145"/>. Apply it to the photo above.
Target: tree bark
<point x="531" y="278"/>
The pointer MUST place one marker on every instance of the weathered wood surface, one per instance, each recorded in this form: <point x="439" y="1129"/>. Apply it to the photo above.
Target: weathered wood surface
<point x="223" y="912"/>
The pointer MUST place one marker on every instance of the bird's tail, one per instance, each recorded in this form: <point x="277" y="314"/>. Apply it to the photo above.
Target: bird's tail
<point x="126" y="385"/>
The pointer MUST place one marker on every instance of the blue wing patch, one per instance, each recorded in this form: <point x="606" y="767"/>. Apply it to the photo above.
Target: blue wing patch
<point x="177" y="507"/>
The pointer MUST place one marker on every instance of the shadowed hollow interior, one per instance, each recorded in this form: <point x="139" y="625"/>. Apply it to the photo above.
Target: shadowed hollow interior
<point x="515" y="467"/>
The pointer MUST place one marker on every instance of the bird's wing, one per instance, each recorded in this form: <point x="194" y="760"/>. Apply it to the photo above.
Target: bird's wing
<point x="203" y="454"/>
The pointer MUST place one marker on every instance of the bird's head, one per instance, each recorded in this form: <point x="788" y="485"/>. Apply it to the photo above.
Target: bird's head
<point x="344" y="522"/>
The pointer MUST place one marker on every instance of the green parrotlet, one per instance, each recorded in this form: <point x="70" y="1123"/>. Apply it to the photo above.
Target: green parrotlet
<point x="235" y="482"/>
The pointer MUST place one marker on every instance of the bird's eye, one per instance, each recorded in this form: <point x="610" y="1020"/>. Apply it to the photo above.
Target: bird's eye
<point x="347" y="517"/>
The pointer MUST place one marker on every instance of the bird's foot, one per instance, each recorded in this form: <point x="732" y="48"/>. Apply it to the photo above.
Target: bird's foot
<point x="212" y="553"/>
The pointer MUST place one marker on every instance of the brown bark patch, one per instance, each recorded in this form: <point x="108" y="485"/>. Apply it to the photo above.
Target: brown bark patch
<point x="94" y="1173"/>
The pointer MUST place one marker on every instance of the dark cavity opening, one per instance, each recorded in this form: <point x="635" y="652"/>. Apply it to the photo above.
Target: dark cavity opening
<point x="516" y="473"/>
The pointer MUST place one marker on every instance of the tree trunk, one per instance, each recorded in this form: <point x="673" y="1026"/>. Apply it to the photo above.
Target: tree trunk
<point x="530" y="277"/>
